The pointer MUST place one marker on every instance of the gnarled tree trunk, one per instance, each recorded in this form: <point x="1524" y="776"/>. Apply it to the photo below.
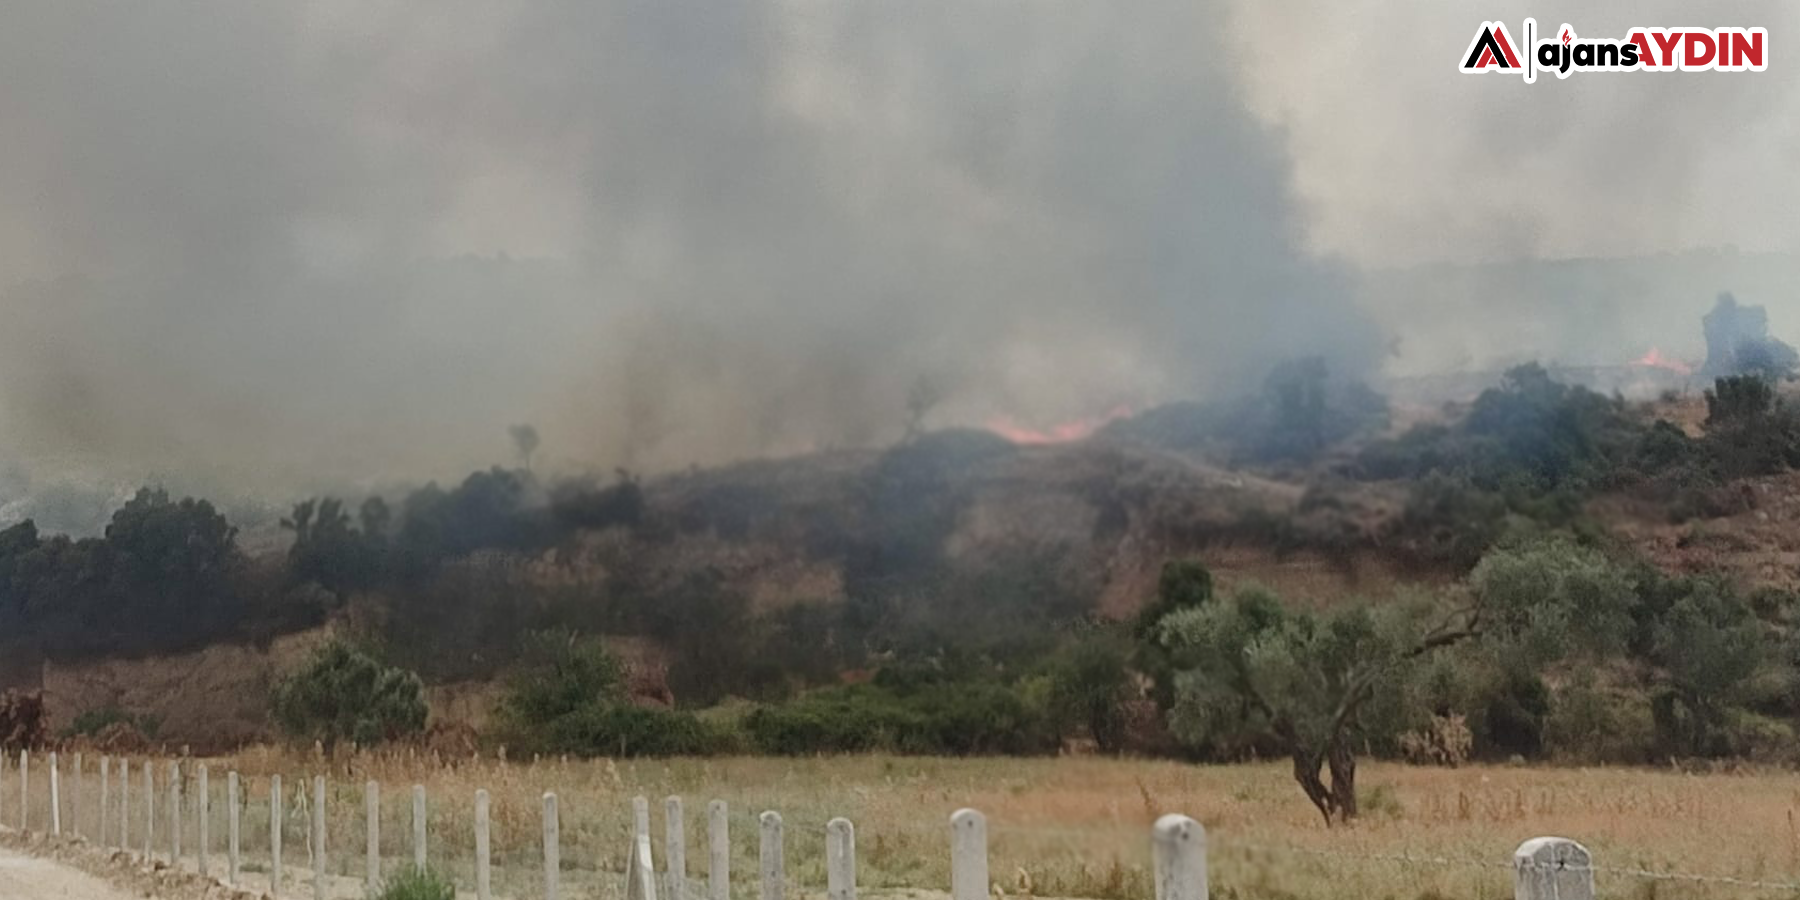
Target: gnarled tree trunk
<point x="1335" y="799"/>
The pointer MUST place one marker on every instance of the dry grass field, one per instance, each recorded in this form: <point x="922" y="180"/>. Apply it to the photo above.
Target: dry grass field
<point x="1058" y="827"/>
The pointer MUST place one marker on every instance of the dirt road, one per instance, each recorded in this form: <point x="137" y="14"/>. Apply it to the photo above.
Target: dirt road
<point x="29" y="878"/>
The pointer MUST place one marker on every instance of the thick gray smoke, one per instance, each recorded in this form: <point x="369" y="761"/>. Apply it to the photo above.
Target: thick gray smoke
<point x="258" y="244"/>
<point x="268" y="242"/>
<point x="1583" y="220"/>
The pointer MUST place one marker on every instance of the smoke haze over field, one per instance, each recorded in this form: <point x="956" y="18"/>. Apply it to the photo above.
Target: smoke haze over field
<point x="269" y="244"/>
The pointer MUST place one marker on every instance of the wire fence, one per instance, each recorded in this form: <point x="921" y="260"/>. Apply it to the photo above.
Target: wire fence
<point x="527" y="850"/>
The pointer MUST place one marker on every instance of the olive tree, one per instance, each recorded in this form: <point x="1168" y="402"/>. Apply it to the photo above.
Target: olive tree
<point x="1251" y="674"/>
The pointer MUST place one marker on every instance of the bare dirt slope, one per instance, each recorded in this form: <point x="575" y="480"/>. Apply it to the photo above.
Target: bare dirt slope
<point x="30" y="878"/>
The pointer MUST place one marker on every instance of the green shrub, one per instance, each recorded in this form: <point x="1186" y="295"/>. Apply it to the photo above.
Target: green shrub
<point x="414" y="883"/>
<point x="953" y="716"/>
<point x="620" y="729"/>
<point x="1448" y="521"/>
<point x="94" y="721"/>
<point x="569" y="697"/>
<point x="343" y="694"/>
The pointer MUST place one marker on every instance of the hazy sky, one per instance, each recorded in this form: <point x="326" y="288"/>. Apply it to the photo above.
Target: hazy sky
<point x="273" y="243"/>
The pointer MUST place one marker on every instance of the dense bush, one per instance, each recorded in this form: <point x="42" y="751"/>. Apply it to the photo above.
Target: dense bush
<point x="343" y="694"/>
<point x="569" y="696"/>
<point x="1530" y="432"/>
<point x="954" y="717"/>
<point x="1749" y="431"/>
<point x="94" y="721"/>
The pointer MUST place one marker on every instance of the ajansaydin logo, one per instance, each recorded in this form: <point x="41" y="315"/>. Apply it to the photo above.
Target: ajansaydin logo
<point x="1640" y="50"/>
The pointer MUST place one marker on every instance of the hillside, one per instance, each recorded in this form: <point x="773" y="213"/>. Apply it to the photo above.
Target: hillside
<point x="957" y="554"/>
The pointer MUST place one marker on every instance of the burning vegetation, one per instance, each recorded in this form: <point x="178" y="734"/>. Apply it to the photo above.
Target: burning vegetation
<point x="963" y="592"/>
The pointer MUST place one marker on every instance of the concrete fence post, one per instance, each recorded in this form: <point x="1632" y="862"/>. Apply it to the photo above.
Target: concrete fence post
<point x="149" y="810"/>
<point x="275" y="815"/>
<point x="1179" y="848"/>
<point x="75" y="796"/>
<point x="840" y="860"/>
<point x="640" y="817"/>
<point x="372" y="828"/>
<point x="231" y="828"/>
<point x="203" y="823"/>
<point x="675" y="847"/>
<point x="772" y="857"/>
<point x="124" y="805"/>
<point x="968" y="855"/>
<point x="174" y="813"/>
<point x="55" y="796"/>
<point x="484" y="849"/>
<point x="552" y="848"/>
<point x="718" y="862"/>
<point x="105" y="788"/>
<point x="640" y="871"/>
<point x="418" y="823"/>
<point x="318" y="837"/>
<point x="1552" y="868"/>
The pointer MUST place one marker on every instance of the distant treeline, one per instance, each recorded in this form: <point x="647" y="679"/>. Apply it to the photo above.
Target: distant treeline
<point x="167" y="575"/>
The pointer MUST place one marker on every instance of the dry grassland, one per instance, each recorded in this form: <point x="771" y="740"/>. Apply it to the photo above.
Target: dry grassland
<point x="1065" y="827"/>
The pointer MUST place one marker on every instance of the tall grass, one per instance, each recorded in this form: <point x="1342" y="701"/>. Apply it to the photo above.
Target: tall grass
<point x="1058" y="827"/>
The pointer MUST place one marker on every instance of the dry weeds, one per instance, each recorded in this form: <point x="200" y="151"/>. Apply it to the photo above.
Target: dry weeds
<point x="1058" y="827"/>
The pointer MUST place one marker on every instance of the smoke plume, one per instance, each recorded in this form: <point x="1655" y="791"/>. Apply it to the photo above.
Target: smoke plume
<point x="266" y="245"/>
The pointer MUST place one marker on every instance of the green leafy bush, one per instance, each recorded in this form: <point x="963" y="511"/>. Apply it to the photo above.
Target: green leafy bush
<point x="343" y="694"/>
<point x="953" y="716"/>
<point x="569" y="696"/>
<point x="92" y="722"/>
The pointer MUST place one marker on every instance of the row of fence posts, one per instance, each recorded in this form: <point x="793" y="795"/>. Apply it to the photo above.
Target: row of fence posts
<point x="1543" y="868"/>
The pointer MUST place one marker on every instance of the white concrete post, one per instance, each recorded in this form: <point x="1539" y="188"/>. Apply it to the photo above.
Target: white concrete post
<point x="718" y="839"/>
<point x="968" y="855"/>
<point x="840" y="860"/>
<point x="372" y="820"/>
<point x="1179" y="845"/>
<point x="174" y="813"/>
<point x="24" y="790"/>
<point x="318" y="841"/>
<point x="275" y="804"/>
<point x="640" y="817"/>
<point x="75" y="796"/>
<point x="55" y="797"/>
<point x="149" y="810"/>
<point x="231" y="828"/>
<point x="552" y="848"/>
<point x="105" y="788"/>
<point x="203" y="812"/>
<point x="1552" y="868"/>
<point x="418" y="798"/>
<point x="484" y="875"/>
<point x="774" y="874"/>
<point x="675" y="847"/>
<point x="124" y="805"/>
<point x="640" y="871"/>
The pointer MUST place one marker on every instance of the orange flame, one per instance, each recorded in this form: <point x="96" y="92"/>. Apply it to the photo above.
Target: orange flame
<point x="1656" y="360"/>
<point x="1060" y="433"/>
